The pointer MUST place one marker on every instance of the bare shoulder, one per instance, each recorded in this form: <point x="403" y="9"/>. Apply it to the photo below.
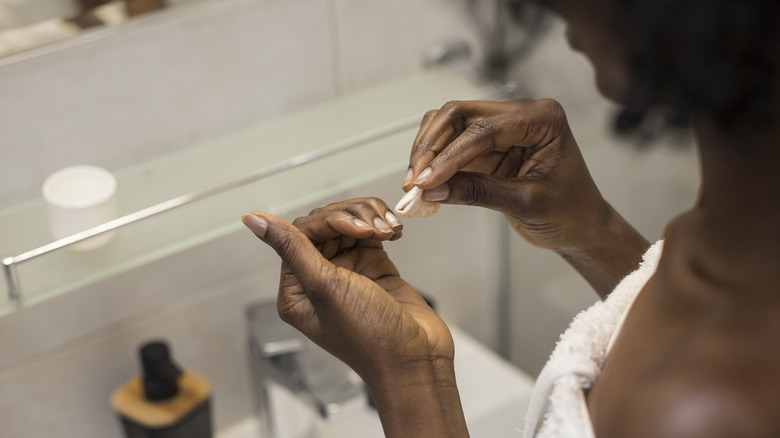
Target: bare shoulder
<point x="689" y="408"/>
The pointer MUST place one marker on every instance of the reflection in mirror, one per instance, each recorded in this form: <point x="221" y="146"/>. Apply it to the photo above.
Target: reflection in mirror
<point x="26" y="24"/>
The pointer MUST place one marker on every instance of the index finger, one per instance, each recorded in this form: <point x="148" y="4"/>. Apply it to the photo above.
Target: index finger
<point x="446" y="126"/>
<point x="529" y="124"/>
<point x="359" y="218"/>
<point x="410" y="173"/>
<point x="322" y="228"/>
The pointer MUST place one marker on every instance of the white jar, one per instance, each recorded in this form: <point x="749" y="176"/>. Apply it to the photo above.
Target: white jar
<point x="79" y="198"/>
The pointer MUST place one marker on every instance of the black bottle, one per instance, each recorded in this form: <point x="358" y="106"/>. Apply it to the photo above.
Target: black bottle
<point x="166" y="402"/>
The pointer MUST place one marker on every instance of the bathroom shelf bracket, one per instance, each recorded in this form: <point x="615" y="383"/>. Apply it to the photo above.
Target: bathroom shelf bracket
<point x="12" y="278"/>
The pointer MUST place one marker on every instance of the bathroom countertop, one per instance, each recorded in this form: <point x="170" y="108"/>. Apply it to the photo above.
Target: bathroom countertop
<point x="493" y="392"/>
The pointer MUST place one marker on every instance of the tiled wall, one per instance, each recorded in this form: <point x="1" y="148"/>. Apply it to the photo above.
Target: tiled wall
<point x="164" y="83"/>
<point x="116" y="97"/>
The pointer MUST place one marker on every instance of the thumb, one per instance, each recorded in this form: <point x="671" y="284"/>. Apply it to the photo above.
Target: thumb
<point x="295" y="249"/>
<point x="466" y="188"/>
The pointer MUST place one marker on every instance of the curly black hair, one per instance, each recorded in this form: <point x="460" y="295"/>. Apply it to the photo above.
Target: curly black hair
<point x="718" y="58"/>
<point x="712" y="57"/>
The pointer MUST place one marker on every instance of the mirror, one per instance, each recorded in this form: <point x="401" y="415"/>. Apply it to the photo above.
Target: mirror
<point x="27" y="24"/>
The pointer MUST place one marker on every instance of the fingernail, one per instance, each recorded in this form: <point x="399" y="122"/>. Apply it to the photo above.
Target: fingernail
<point x="424" y="176"/>
<point x="382" y="225"/>
<point x="437" y="194"/>
<point x="408" y="179"/>
<point x="363" y="225"/>
<point x="255" y="223"/>
<point x="392" y="220"/>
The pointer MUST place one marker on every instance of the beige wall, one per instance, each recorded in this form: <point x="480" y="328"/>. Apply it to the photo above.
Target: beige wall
<point x="123" y="95"/>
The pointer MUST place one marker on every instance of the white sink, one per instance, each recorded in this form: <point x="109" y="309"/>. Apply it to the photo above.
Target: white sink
<point x="494" y="394"/>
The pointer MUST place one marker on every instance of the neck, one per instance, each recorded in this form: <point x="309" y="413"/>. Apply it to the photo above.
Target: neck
<point x="736" y="223"/>
<point x="740" y="177"/>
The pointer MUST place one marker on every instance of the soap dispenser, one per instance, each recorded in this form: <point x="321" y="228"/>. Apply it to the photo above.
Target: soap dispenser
<point x="165" y="402"/>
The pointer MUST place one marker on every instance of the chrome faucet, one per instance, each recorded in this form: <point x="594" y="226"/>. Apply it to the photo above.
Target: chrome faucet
<point x="280" y="355"/>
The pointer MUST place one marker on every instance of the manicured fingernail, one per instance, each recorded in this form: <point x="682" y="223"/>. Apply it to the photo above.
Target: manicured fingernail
<point x="424" y="176"/>
<point x="437" y="194"/>
<point x="382" y="226"/>
<point x="392" y="220"/>
<point x="408" y="179"/>
<point x="255" y="223"/>
<point x="363" y="225"/>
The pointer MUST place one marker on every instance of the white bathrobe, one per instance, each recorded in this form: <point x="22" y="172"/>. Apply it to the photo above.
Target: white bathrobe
<point x="557" y="408"/>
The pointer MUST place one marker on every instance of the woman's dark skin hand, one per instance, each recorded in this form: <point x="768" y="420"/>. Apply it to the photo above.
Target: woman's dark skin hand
<point x="520" y="158"/>
<point x="341" y="290"/>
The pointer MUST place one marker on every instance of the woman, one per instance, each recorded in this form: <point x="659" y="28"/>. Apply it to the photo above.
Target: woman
<point x="694" y="349"/>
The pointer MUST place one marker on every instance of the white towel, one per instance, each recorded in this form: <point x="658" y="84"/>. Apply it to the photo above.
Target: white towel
<point x="558" y="408"/>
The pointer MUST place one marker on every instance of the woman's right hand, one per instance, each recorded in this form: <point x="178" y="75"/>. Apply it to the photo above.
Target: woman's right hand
<point x="519" y="158"/>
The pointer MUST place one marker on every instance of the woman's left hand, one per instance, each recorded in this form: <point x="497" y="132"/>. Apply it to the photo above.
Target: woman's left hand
<point x="339" y="287"/>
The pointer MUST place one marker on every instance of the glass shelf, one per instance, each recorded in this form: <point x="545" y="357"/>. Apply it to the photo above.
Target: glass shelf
<point x="343" y="144"/>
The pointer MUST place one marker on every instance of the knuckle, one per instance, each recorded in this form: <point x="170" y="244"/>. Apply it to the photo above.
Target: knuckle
<point x="286" y="249"/>
<point x="285" y="308"/>
<point x="361" y="206"/>
<point x="289" y="308"/>
<point x="482" y="128"/>
<point x="551" y="107"/>
<point x="532" y="203"/>
<point x="377" y="204"/>
<point x="452" y="107"/>
<point x="300" y="221"/>
<point x="419" y="149"/>
<point x="476" y="192"/>
<point x="329" y="286"/>
<point x="334" y="206"/>
<point x="315" y="211"/>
